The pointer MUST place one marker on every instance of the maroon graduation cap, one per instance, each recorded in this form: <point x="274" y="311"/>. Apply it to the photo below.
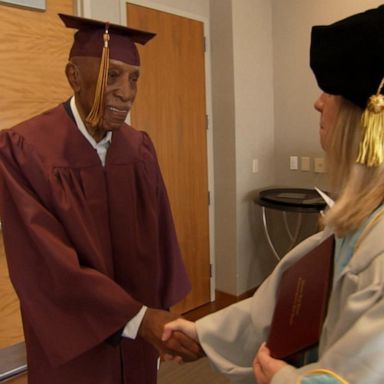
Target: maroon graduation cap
<point x="88" y="40"/>
<point x="108" y="41"/>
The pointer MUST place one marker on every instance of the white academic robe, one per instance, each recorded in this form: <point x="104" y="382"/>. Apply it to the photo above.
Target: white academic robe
<point x="352" y="339"/>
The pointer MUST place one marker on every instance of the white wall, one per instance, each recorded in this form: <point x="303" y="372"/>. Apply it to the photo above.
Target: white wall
<point x="295" y="90"/>
<point x="223" y="107"/>
<point x="266" y="106"/>
<point x="254" y="126"/>
<point x="242" y="94"/>
<point x="111" y="9"/>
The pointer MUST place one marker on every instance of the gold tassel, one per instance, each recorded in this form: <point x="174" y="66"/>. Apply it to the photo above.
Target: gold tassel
<point x="372" y="124"/>
<point x="96" y="114"/>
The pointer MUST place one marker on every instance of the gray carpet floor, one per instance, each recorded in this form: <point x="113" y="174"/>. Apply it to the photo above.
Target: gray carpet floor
<point x="198" y="372"/>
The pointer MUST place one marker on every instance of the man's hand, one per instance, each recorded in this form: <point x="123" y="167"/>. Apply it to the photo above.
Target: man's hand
<point x="265" y="366"/>
<point x="177" y="346"/>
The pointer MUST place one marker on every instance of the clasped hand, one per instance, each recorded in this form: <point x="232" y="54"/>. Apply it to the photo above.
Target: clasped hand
<point x="175" y="338"/>
<point x="179" y="342"/>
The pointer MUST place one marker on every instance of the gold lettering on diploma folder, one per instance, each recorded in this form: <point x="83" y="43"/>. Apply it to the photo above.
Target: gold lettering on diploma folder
<point x="297" y="300"/>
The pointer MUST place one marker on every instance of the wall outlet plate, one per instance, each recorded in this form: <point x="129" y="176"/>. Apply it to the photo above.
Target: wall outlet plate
<point x="305" y="163"/>
<point x="319" y="165"/>
<point x="293" y="162"/>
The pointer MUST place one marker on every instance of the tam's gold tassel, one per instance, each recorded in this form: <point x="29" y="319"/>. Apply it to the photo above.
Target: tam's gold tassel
<point x="96" y="114"/>
<point x="372" y="124"/>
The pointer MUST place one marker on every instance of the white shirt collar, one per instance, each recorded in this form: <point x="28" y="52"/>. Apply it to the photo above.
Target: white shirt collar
<point x="79" y="122"/>
<point x="102" y="146"/>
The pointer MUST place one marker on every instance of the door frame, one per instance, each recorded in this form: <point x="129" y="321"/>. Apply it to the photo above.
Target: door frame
<point x="208" y="102"/>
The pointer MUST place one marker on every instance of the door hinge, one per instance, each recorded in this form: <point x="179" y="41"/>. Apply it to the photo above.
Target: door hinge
<point x="204" y="44"/>
<point x="206" y="122"/>
<point x="210" y="270"/>
<point x="209" y="197"/>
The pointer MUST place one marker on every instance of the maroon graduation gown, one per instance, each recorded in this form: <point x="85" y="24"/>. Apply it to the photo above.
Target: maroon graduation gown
<point x="86" y="246"/>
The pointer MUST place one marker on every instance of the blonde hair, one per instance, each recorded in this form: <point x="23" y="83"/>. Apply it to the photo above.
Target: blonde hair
<point x="359" y="190"/>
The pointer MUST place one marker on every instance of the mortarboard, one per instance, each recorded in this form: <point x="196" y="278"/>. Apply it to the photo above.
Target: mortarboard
<point x="347" y="58"/>
<point x="108" y="41"/>
<point x="88" y="40"/>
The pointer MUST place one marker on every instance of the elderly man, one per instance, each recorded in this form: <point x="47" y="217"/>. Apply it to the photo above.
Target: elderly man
<point x="88" y="231"/>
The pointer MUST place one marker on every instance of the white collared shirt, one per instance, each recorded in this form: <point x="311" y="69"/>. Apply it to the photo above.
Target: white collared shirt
<point x="132" y="327"/>
<point x="102" y="146"/>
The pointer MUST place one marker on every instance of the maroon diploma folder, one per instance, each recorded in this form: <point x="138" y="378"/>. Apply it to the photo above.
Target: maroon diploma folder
<point x="301" y="304"/>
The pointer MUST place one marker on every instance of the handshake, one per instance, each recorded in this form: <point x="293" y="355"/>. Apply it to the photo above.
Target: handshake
<point x="174" y="337"/>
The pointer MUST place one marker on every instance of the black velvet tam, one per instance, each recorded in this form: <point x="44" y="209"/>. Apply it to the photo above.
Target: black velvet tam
<point x="347" y="57"/>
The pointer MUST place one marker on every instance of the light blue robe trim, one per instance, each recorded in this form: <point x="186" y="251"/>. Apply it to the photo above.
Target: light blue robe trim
<point x="319" y="379"/>
<point x="345" y="246"/>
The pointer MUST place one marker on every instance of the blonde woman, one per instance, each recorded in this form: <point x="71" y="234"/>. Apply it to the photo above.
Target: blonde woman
<point x="347" y="58"/>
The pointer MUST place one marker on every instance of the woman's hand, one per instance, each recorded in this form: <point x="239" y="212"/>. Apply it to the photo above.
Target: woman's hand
<point x="182" y="325"/>
<point x="265" y="366"/>
<point x="177" y="328"/>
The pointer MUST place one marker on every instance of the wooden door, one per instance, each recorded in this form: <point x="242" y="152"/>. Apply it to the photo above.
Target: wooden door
<point x="170" y="106"/>
<point x="33" y="54"/>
